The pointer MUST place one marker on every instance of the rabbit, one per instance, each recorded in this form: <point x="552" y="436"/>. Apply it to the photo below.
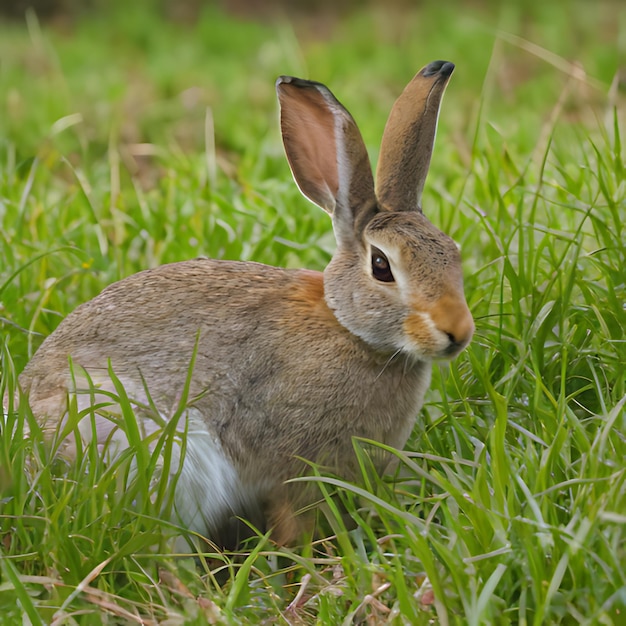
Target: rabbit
<point x="278" y="368"/>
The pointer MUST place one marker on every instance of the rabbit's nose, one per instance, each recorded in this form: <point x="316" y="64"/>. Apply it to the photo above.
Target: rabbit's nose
<point x="453" y="318"/>
<point x="462" y="332"/>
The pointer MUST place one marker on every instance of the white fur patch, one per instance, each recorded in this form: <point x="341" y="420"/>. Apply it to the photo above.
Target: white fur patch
<point x="209" y="489"/>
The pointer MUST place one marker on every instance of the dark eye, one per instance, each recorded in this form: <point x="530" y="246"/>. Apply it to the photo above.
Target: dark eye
<point x="380" y="267"/>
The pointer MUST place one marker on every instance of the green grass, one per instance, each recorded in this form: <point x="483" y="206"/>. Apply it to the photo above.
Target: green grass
<point x="509" y="504"/>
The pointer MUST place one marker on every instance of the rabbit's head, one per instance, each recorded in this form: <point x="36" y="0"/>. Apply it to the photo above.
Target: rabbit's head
<point x="395" y="280"/>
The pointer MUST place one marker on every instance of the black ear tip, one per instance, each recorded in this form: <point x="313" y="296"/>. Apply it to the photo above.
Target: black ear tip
<point x="443" y="68"/>
<point x="301" y="83"/>
<point x="282" y="80"/>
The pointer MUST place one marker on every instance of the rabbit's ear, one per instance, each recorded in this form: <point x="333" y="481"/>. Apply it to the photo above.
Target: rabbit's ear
<point x="408" y="139"/>
<point x="325" y="149"/>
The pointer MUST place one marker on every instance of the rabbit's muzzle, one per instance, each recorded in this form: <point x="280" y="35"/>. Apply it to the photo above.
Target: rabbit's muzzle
<point x="441" y="331"/>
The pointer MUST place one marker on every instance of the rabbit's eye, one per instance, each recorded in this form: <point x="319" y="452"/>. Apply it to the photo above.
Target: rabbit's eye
<point x="380" y="267"/>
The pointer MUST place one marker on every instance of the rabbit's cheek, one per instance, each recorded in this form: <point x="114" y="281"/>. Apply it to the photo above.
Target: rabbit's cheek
<point x="423" y="337"/>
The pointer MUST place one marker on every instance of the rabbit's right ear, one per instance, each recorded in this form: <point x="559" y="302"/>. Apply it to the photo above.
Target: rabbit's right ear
<point x="325" y="150"/>
<point x="408" y="139"/>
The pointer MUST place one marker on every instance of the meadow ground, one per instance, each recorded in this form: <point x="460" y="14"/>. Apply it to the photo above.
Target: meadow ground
<point x="128" y="139"/>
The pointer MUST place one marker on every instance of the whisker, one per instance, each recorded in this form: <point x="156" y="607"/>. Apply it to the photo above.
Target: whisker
<point x="389" y="360"/>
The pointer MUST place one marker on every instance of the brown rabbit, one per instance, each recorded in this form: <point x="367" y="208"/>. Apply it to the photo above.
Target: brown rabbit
<point x="284" y="365"/>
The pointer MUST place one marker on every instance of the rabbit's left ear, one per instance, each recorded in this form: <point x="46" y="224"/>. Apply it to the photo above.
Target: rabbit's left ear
<point x="408" y="139"/>
<point x="325" y="150"/>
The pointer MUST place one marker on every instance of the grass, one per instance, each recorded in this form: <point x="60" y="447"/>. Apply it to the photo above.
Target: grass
<point x="127" y="141"/>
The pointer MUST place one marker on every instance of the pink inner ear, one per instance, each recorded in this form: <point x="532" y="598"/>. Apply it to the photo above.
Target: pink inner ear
<point x="308" y="127"/>
<point x="326" y="153"/>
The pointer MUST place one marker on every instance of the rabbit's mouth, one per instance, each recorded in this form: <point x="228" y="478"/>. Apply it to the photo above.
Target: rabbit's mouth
<point x="455" y="347"/>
